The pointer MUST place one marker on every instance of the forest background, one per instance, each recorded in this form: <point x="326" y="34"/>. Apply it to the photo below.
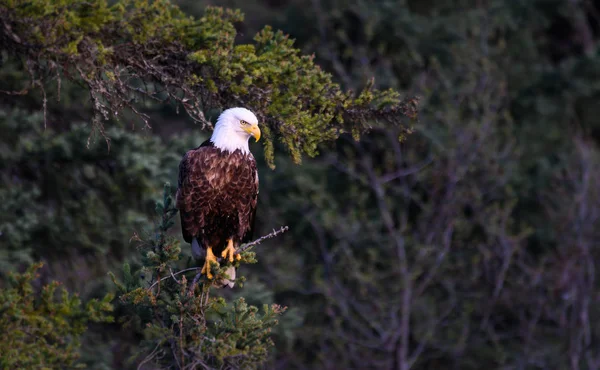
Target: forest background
<point x="471" y="243"/>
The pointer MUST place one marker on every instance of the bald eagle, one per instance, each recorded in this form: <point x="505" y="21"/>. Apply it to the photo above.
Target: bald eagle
<point x="218" y="191"/>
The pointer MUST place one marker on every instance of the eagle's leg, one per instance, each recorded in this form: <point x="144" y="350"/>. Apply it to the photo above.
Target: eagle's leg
<point x="229" y="252"/>
<point x="210" y="257"/>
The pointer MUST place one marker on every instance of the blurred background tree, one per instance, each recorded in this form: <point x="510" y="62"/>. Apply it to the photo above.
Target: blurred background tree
<point x="43" y="330"/>
<point x="471" y="244"/>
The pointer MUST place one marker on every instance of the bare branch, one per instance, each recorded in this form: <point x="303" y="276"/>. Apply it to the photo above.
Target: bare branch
<point x="273" y="234"/>
<point x="150" y="356"/>
<point x="173" y="276"/>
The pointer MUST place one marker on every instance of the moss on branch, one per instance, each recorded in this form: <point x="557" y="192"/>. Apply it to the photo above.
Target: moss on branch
<point x="150" y="49"/>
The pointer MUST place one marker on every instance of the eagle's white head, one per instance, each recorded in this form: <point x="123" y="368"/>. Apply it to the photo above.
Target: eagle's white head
<point x="233" y="129"/>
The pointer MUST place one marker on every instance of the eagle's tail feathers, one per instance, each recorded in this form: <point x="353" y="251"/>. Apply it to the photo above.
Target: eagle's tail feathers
<point x="231" y="274"/>
<point x="197" y="251"/>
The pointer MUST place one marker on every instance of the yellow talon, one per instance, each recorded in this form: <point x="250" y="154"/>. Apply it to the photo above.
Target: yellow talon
<point x="229" y="252"/>
<point x="210" y="257"/>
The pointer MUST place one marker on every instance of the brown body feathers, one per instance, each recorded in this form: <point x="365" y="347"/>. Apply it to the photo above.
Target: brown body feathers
<point x="217" y="196"/>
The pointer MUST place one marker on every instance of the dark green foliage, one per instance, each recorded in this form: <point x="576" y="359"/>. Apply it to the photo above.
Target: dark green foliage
<point x="184" y="327"/>
<point x="82" y="202"/>
<point x="42" y="329"/>
<point x="144" y="48"/>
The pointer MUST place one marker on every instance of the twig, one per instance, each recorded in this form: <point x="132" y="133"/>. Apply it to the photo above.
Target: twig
<point x="273" y="234"/>
<point x="150" y="356"/>
<point x="173" y="275"/>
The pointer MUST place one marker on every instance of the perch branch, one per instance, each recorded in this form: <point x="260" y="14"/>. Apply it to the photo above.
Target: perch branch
<point x="244" y="247"/>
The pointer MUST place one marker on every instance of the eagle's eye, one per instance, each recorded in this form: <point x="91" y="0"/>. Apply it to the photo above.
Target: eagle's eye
<point x="244" y="123"/>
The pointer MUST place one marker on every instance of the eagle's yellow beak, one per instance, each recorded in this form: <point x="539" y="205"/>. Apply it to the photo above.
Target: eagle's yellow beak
<point x="253" y="130"/>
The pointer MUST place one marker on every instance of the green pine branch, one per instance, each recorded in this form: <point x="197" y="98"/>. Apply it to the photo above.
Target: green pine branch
<point x="41" y="329"/>
<point x="143" y="49"/>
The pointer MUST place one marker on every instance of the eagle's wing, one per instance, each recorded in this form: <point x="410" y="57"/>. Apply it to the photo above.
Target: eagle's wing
<point x="251" y="221"/>
<point x="180" y="197"/>
<point x="193" y="189"/>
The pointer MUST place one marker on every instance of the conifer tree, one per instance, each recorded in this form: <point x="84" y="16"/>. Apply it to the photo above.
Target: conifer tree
<point x="185" y="324"/>
<point x="41" y="329"/>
